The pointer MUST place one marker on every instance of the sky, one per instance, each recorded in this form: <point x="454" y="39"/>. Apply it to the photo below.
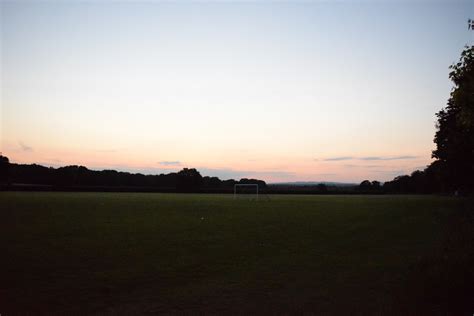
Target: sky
<point x="280" y="91"/>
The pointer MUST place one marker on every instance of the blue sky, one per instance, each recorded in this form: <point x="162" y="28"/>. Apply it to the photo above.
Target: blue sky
<point x="333" y="91"/>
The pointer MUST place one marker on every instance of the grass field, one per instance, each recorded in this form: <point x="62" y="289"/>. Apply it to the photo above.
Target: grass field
<point x="131" y="253"/>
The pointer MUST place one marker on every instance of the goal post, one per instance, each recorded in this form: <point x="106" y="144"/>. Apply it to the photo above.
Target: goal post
<point x="252" y="186"/>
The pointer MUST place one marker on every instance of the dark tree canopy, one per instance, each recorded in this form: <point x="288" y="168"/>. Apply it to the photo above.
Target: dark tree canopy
<point x="369" y="187"/>
<point x="455" y="128"/>
<point x="189" y="180"/>
<point x="366" y="184"/>
<point x="4" y="169"/>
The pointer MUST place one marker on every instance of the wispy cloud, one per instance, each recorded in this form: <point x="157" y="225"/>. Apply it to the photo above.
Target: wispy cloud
<point x="388" y="158"/>
<point x="25" y="147"/>
<point x="339" y="158"/>
<point x="170" y="163"/>
<point x="362" y="166"/>
<point x="370" y="158"/>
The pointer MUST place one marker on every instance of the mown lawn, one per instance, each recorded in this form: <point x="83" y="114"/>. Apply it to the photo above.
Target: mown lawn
<point x="132" y="253"/>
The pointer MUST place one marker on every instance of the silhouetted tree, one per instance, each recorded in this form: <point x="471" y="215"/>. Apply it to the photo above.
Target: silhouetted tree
<point x="189" y="180"/>
<point x="4" y="159"/>
<point x="4" y="169"/>
<point x="376" y="186"/>
<point x="365" y="186"/>
<point x="455" y="128"/>
<point x="261" y="184"/>
<point x="434" y="175"/>
<point x="211" y="182"/>
<point x="400" y="184"/>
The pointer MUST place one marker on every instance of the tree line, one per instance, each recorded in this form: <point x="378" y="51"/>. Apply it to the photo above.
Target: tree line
<point x="16" y="176"/>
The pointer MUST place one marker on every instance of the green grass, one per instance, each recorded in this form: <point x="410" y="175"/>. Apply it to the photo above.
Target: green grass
<point x="128" y="253"/>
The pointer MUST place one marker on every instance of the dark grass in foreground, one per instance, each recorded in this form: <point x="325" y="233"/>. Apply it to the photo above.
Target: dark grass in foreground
<point x="170" y="253"/>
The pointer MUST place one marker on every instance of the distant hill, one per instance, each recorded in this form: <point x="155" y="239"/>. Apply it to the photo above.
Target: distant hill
<point x="313" y="183"/>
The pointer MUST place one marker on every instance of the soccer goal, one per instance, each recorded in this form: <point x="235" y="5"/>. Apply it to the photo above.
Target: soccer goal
<point x="246" y="189"/>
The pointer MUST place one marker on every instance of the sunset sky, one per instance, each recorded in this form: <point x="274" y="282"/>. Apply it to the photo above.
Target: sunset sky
<point x="281" y="91"/>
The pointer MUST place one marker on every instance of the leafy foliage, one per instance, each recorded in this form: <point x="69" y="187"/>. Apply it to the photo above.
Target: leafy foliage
<point x="455" y="129"/>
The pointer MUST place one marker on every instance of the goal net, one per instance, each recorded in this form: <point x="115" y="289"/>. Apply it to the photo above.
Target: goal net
<point x="246" y="190"/>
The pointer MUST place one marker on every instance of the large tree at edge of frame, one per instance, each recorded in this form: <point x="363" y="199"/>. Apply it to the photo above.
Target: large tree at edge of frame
<point x="454" y="137"/>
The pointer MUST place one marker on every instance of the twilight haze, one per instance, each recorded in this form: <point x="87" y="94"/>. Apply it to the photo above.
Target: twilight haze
<point x="277" y="91"/>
